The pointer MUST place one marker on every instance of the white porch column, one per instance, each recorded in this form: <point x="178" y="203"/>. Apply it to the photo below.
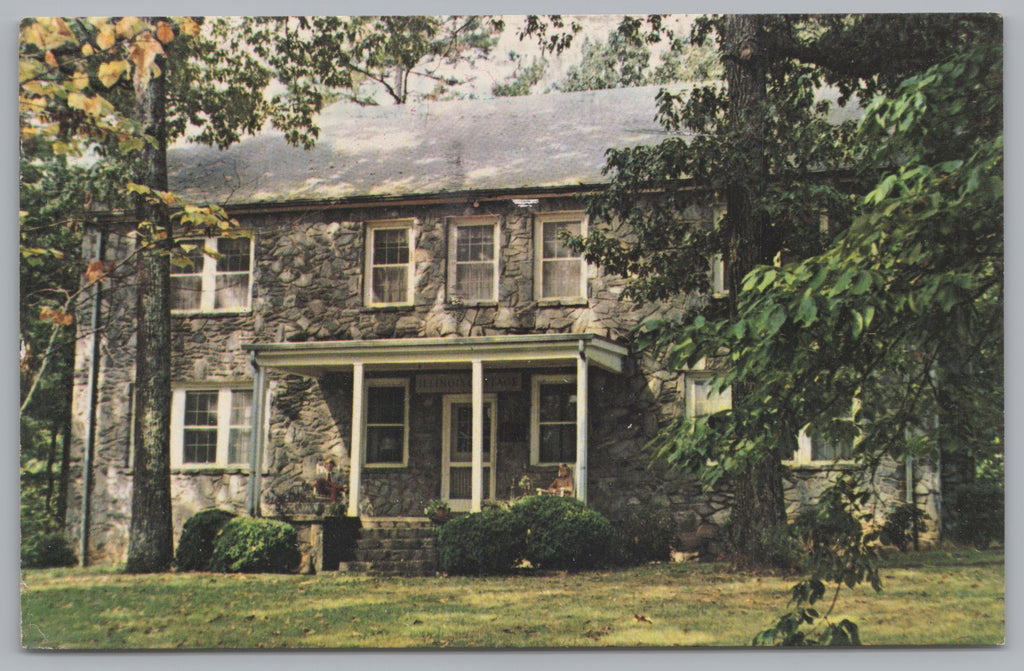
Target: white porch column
<point x="476" y="503"/>
<point x="581" y="425"/>
<point x="355" y="461"/>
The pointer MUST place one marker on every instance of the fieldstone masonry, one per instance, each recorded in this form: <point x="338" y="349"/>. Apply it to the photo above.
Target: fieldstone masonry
<point x="307" y="286"/>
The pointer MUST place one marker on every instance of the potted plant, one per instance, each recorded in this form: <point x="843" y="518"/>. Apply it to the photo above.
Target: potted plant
<point x="438" y="512"/>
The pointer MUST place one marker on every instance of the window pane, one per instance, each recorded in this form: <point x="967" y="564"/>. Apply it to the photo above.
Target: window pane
<point x="232" y="291"/>
<point x="385" y="405"/>
<point x="558" y="443"/>
<point x="390" y="246"/>
<point x="200" y="446"/>
<point x="241" y="407"/>
<point x="558" y="403"/>
<point x="186" y="292"/>
<point x="389" y="285"/>
<point x="706" y="402"/>
<point x="201" y="408"/>
<point x="554" y="246"/>
<point x="196" y="256"/>
<point x="561" y="278"/>
<point x="462" y="432"/>
<point x="384" y="444"/>
<point x="234" y="255"/>
<point x="474" y="281"/>
<point x="475" y="243"/>
<point x="238" y="445"/>
<point x="823" y="450"/>
<point x="460" y="483"/>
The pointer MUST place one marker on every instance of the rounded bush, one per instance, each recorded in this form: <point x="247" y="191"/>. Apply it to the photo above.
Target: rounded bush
<point x="47" y="550"/>
<point x="646" y="535"/>
<point x="562" y="533"/>
<point x="978" y="513"/>
<point x="488" y="542"/>
<point x="195" y="547"/>
<point x="255" y="545"/>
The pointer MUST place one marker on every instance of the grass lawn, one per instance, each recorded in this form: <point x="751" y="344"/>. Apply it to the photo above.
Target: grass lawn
<point x="934" y="598"/>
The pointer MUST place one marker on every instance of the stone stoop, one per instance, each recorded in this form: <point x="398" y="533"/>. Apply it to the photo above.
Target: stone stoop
<point x="395" y="547"/>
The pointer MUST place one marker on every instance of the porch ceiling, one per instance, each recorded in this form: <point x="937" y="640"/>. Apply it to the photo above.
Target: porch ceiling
<point x="312" y="359"/>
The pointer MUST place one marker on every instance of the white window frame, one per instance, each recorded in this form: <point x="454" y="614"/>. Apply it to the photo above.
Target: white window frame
<point x="692" y="379"/>
<point x="224" y="391"/>
<point x="408" y="225"/>
<point x="719" y="288"/>
<point x="396" y="382"/>
<point x="446" y="449"/>
<point x="538" y="256"/>
<point x="804" y="454"/>
<point x="454" y="223"/>
<point x="209" y="274"/>
<point x="535" y="384"/>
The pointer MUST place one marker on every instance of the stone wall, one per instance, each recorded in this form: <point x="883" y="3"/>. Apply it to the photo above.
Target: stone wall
<point x="307" y="286"/>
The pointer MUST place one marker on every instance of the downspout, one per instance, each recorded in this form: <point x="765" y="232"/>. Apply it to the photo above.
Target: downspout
<point x="256" y="439"/>
<point x="90" y="405"/>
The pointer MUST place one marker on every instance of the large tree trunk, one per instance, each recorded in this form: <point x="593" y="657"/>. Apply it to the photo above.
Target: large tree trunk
<point x="150" y="544"/>
<point x="759" y="509"/>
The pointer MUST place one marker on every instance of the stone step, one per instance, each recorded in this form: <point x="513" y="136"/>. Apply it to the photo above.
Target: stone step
<point x="397" y="532"/>
<point x="395" y="547"/>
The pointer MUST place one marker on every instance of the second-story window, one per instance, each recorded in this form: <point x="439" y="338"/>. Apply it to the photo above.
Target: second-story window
<point x="389" y="257"/>
<point x="473" y="259"/>
<point x="560" y="273"/>
<point x="213" y="283"/>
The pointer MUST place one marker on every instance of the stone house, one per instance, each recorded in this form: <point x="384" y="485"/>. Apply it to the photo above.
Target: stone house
<point x="406" y="310"/>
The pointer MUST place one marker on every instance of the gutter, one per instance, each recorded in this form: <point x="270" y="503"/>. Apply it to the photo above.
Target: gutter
<point x="91" y="403"/>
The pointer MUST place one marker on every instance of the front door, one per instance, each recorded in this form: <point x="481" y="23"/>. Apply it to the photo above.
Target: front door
<point x="457" y="449"/>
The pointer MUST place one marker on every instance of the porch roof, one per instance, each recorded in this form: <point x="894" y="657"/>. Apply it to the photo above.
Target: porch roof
<point x="313" y="359"/>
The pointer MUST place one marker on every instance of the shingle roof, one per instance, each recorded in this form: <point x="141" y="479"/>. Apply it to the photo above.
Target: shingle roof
<point x="550" y="140"/>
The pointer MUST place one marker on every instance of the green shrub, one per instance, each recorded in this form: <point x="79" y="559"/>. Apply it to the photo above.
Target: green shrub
<point x="195" y="547"/>
<point x="255" y="545"/>
<point x="978" y="513"/>
<point x="562" y="533"/>
<point x="902" y="526"/>
<point x="645" y="535"/>
<point x="488" y="542"/>
<point x="47" y="550"/>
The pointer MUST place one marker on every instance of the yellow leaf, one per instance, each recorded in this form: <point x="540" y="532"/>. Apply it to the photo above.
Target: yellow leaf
<point x="95" y="271"/>
<point x="93" y="105"/>
<point x="64" y="30"/>
<point x="58" y="317"/>
<point x="87" y="49"/>
<point x="164" y="32"/>
<point x="77" y="101"/>
<point x="110" y="72"/>
<point x="144" y="51"/>
<point x="80" y="80"/>
<point x="106" y="38"/>
<point x="168" y="198"/>
<point x="51" y="60"/>
<point x="126" y="26"/>
<point x="33" y="34"/>
<point x="188" y="26"/>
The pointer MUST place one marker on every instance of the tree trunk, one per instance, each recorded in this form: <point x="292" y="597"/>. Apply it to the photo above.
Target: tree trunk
<point x="759" y="509"/>
<point x="150" y="544"/>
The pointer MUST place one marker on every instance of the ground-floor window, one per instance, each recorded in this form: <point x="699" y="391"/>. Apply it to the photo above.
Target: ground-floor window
<point x="553" y="425"/>
<point x="211" y="426"/>
<point x="387" y="422"/>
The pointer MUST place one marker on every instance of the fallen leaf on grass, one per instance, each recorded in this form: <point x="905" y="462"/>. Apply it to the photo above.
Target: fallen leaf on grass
<point x="642" y="618"/>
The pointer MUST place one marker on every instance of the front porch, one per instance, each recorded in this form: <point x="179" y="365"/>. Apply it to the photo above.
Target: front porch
<point x="462" y="419"/>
